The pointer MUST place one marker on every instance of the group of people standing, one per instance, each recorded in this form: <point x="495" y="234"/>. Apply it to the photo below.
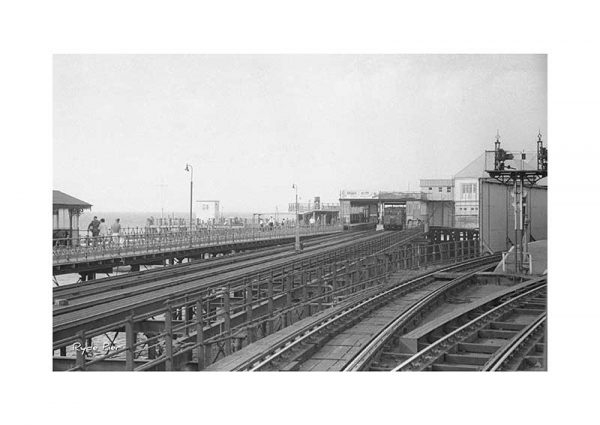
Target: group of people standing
<point x="271" y="223"/>
<point x="100" y="229"/>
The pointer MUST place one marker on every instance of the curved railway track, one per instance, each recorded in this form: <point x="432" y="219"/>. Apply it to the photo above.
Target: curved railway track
<point x="290" y="352"/>
<point x="497" y="338"/>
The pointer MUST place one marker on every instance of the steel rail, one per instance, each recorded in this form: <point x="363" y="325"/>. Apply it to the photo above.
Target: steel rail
<point x="256" y="266"/>
<point x="125" y="306"/>
<point x="507" y="351"/>
<point x="186" y="270"/>
<point x="280" y="348"/>
<point x="381" y="338"/>
<point x="429" y="353"/>
<point x="123" y="279"/>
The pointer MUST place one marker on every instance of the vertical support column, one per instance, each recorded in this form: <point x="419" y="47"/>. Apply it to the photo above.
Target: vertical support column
<point x="270" y="304"/>
<point x="169" y="338"/>
<point x="304" y="286"/>
<point x="249" y="328"/>
<point x="334" y="283"/>
<point x="186" y="312"/>
<point x="288" y="298"/>
<point x="227" y="321"/>
<point x="418" y="255"/>
<point x="129" y="342"/>
<point x="320" y="289"/>
<point x="80" y="354"/>
<point x="200" y="333"/>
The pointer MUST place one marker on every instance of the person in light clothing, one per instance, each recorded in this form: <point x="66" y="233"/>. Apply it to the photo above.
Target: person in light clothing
<point x="116" y="231"/>
<point x="103" y="228"/>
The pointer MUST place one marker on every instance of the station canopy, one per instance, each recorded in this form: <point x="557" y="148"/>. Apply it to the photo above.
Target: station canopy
<point x="62" y="200"/>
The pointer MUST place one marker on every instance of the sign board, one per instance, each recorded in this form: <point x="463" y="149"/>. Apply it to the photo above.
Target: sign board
<point x="358" y="194"/>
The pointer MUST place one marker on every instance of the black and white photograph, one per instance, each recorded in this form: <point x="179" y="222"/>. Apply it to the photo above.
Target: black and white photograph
<point x="300" y="213"/>
<point x="198" y="191"/>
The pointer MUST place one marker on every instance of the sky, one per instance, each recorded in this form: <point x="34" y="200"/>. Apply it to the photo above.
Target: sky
<point x="252" y="125"/>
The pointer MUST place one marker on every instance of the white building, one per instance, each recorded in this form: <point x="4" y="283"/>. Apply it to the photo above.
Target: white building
<point x="466" y="193"/>
<point x="208" y="211"/>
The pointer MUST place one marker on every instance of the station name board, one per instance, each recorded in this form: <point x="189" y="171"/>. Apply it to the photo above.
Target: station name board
<point x="358" y="194"/>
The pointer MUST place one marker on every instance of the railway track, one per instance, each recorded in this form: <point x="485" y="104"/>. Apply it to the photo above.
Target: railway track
<point x="100" y="310"/>
<point x="85" y="289"/>
<point x="507" y="336"/>
<point x="295" y="349"/>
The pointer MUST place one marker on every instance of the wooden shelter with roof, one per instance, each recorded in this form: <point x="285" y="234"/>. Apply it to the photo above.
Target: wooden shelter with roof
<point x="66" y="210"/>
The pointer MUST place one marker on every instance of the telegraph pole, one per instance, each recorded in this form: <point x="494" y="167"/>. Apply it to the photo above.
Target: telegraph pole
<point x="189" y="168"/>
<point x="297" y="244"/>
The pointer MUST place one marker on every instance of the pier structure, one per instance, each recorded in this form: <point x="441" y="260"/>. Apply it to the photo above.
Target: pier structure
<point x="188" y="316"/>
<point x="88" y="255"/>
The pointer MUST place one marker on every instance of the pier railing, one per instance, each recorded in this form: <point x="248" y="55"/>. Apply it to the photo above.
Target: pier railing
<point x="85" y="248"/>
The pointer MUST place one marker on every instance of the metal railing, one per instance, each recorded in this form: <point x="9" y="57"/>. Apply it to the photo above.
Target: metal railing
<point x="84" y="248"/>
<point x="208" y="321"/>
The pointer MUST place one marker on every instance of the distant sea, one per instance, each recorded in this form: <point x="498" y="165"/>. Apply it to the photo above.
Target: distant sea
<point x="138" y="219"/>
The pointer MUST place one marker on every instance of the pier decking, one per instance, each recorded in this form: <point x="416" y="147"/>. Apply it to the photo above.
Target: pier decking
<point x="90" y="255"/>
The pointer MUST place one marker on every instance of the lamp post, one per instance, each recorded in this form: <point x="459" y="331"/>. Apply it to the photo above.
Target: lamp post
<point x="189" y="168"/>
<point x="297" y="244"/>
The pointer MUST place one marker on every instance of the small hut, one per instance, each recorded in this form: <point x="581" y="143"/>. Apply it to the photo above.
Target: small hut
<point x="66" y="210"/>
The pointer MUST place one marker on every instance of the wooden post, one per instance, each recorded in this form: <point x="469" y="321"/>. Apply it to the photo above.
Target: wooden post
<point x="80" y="354"/>
<point x="169" y="338"/>
<point x="227" y="321"/>
<point x="304" y="286"/>
<point x="249" y="328"/>
<point x="320" y="289"/>
<point x="334" y="283"/>
<point x="270" y="304"/>
<point x="289" y="288"/>
<point x="186" y="312"/>
<point x="129" y="342"/>
<point x="200" y="333"/>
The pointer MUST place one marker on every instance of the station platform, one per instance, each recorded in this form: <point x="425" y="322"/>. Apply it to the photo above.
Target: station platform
<point x="136" y="250"/>
<point x="539" y="255"/>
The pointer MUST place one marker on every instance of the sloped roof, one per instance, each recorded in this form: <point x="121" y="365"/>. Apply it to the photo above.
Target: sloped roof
<point x="475" y="169"/>
<point x="61" y="199"/>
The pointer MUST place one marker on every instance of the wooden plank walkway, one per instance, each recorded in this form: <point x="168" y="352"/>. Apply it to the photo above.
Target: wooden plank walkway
<point x="333" y="353"/>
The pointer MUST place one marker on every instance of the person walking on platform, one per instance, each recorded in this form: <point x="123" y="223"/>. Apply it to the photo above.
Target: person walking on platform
<point x="94" y="227"/>
<point x="103" y="228"/>
<point x="116" y="230"/>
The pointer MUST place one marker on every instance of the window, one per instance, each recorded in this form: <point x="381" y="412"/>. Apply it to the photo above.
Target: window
<point x="469" y="190"/>
<point x="439" y="189"/>
<point x="430" y="188"/>
<point x="449" y="189"/>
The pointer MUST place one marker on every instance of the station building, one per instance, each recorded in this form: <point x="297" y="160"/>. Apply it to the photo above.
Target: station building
<point x="360" y="206"/>
<point x="469" y="200"/>
<point x="66" y="210"/>
<point x="439" y="205"/>
<point x="317" y="211"/>
<point x="466" y="194"/>
<point x="208" y="211"/>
